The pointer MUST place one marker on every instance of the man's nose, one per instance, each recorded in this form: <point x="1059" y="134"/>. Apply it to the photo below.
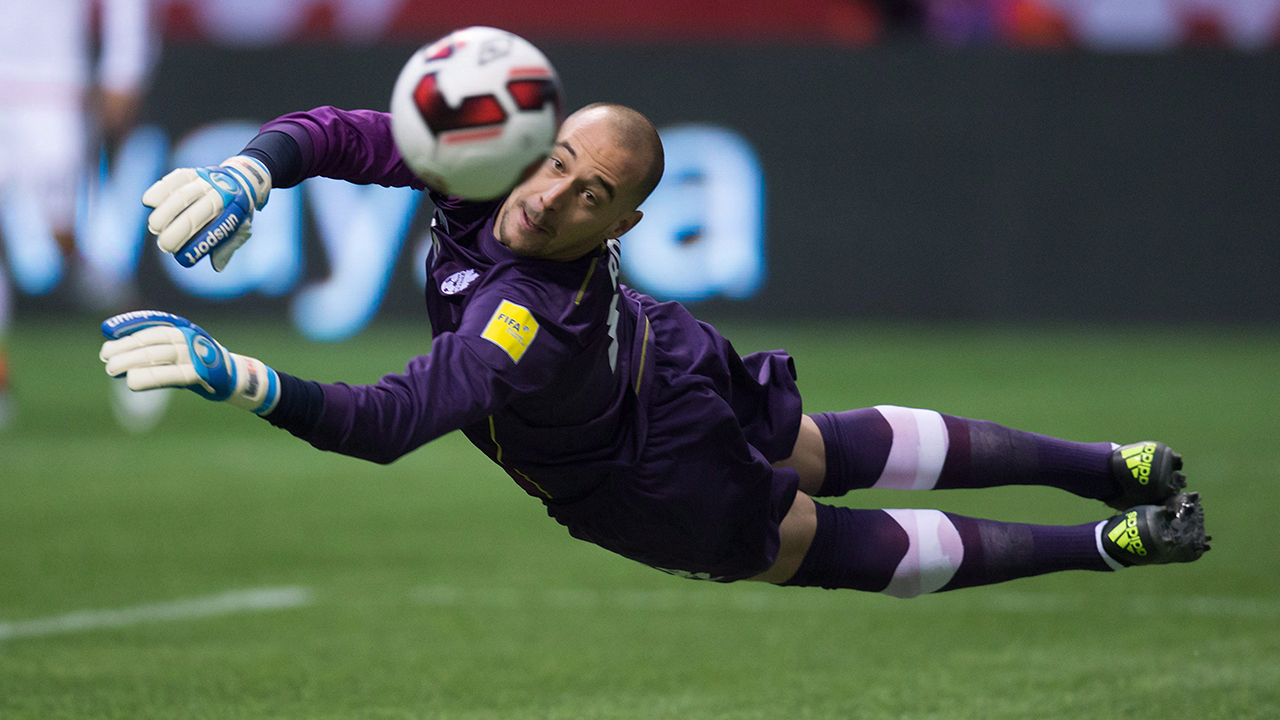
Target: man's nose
<point x="554" y="194"/>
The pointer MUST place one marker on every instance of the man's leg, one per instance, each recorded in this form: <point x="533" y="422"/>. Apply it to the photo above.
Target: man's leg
<point x="910" y="552"/>
<point x="6" y="402"/>
<point x="911" y="449"/>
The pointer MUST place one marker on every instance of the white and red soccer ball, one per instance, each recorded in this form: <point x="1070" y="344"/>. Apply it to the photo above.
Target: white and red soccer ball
<point x="472" y="111"/>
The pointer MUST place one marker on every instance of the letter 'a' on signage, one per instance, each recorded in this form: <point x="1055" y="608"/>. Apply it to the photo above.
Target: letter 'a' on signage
<point x="703" y="228"/>
<point x="511" y="328"/>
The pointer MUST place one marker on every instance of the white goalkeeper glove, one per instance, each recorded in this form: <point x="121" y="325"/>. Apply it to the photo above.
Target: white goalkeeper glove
<point x="157" y="349"/>
<point x="207" y="211"/>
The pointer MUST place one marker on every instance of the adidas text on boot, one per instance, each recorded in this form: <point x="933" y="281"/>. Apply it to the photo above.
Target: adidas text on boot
<point x="1147" y="473"/>
<point x="1156" y="534"/>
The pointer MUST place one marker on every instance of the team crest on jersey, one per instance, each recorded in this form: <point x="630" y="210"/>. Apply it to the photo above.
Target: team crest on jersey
<point x="458" y="281"/>
<point x="511" y="328"/>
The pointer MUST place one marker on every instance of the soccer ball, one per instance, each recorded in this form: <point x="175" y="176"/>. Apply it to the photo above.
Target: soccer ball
<point x="472" y="111"/>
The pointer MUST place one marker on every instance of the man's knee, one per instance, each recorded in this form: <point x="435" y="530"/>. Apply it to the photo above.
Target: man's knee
<point x="808" y="457"/>
<point x="795" y="535"/>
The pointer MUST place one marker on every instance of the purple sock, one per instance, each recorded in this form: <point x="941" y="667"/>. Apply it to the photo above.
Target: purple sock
<point x="856" y="549"/>
<point x="998" y="551"/>
<point x="910" y="449"/>
<point x="906" y="553"/>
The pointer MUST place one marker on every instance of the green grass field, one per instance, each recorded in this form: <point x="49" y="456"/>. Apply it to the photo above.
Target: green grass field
<point x="434" y="588"/>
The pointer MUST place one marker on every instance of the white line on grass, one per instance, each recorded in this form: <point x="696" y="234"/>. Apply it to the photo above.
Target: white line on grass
<point x="766" y="599"/>
<point x="239" y="601"/>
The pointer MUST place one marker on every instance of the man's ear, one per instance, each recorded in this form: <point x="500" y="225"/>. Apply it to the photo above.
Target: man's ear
<point x="625" y="223"/>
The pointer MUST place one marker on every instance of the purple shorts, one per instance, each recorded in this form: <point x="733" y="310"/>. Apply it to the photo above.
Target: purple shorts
<point x="702" y="500"/>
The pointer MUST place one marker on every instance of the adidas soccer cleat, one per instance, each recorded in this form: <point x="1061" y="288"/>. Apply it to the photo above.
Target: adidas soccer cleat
<point x="1147" y="473"/>
<point x="1156" y="534"/>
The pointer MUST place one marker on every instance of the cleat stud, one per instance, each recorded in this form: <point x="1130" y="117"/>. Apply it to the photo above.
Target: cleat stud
<point x="1177" y="461"/>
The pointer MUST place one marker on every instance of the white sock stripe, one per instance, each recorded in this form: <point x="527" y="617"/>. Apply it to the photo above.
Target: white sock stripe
<point x="934" y="555"/>
<point x="934" y="442"/>
<point x="919" y="449"/>
<point x="1097" y="536"/>
<point x="900" y="468"/>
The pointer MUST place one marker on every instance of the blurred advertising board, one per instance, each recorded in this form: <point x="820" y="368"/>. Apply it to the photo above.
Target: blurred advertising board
<point x="814" y="183"/>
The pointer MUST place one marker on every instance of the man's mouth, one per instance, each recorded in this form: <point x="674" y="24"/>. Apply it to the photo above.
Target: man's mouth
<point x="529" y="225"/>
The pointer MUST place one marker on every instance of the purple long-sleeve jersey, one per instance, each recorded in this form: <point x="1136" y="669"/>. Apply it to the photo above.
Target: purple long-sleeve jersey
<point x="542" y="364"/>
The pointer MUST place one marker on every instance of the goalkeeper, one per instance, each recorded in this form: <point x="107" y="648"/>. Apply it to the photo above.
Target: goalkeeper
<point x="638" y="427"/>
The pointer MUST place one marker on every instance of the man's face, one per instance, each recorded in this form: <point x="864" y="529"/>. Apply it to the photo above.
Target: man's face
<point x="583" y="194"/>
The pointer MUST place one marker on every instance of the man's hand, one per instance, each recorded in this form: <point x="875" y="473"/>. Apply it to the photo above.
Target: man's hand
<point x="207" y="211"/>
<point x="157" y="349"/>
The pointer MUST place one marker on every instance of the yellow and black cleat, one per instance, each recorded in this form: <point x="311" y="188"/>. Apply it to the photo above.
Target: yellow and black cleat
<point x="1155" y="534"/>
<point x="1147" y="473"/>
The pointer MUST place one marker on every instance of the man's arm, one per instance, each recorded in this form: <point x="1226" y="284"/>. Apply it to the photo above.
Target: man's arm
<point x="446" y="390"/>
<point x="351" y="145"/>
<point x="498" y="354"/>
<point x="209" y="211"/>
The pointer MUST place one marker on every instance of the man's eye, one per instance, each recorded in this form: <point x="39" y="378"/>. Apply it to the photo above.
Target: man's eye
<point x="589" y="196"/>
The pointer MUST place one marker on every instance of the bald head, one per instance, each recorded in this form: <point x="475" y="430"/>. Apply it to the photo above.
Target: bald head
<point x="606" y="160"/>
<point x="633" y="132"/>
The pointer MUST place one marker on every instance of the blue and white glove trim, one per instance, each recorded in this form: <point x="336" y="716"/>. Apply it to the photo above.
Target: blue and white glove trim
<point x="207" y="211"/>
<point x="158" y="349"/>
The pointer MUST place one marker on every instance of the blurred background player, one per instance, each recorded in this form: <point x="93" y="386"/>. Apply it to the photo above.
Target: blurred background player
<point x="72" y="78"/>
